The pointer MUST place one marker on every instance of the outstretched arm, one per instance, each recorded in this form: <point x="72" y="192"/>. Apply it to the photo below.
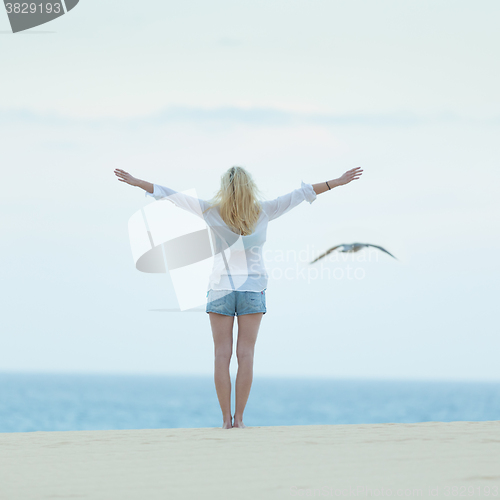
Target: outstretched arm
<point x="129" y="179"/>
<point x="284" y="203"/>
<point x="182" y="200"/>
<point x="279" y="206"/>
<point x="349" y="176"/>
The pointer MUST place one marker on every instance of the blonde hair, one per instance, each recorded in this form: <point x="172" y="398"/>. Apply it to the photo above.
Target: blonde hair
<point x="238" y="201"/>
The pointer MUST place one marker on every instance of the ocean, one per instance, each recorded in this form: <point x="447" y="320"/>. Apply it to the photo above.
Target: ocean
<point x="43" y="402"/>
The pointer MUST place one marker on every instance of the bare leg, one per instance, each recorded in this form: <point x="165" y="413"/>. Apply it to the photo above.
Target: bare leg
<point x="248" y="327"/>
<point x="222" y="332"/>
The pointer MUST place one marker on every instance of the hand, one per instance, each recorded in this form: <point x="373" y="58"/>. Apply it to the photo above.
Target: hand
<point x="125" y="177"/>
<point x="349" y="176"/>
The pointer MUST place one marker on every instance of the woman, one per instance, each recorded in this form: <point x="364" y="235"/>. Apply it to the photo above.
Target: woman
<point x="238" y="222"/>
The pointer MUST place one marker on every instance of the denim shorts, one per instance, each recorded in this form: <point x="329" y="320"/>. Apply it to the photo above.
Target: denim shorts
<point x="236" y="302"/>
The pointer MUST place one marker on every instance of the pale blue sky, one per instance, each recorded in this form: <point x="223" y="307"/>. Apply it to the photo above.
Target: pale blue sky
<point x="177" y="93"/>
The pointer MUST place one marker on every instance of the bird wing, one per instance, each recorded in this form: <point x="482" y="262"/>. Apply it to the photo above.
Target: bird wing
<point x="324" y="254"/>
<point x="380" y="248"/>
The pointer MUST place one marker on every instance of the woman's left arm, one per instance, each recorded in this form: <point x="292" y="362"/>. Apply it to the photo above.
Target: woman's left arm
<point x="182" y="200"/>
<point x="349" y="176"/>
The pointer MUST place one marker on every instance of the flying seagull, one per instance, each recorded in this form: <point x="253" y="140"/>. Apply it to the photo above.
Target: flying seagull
<point x="351" y="248"/>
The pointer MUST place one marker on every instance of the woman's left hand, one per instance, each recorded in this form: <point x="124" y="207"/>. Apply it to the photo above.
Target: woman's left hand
<point x="126" y="177"/>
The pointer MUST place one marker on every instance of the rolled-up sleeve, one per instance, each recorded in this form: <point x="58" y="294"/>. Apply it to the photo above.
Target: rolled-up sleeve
<point x="281" y="205"/>
<point x="184" y="201"/>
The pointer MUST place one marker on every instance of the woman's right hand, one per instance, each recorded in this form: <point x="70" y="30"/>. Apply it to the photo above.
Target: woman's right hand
<point x="126" y="177"/>
<point x="350" y="175"/>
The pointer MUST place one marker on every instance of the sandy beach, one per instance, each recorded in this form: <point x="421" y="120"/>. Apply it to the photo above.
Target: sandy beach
<point x="400" y="460"/>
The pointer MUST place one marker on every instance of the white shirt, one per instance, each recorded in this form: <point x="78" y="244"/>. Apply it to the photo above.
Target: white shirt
<point x="238" y="261"/>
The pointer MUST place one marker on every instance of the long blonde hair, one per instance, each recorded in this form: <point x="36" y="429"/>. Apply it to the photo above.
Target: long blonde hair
<point x="238" y="201"/>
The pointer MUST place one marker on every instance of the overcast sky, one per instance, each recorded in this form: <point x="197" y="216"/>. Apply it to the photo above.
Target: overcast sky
<point x="176" y="93"/>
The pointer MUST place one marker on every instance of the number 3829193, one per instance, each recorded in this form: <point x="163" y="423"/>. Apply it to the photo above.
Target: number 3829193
<point x="32" y="8"/>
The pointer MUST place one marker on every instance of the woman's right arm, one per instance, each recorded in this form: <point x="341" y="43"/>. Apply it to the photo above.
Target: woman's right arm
<point x="281" y="205"/>
<point x="284" y="203"/>
<point x="350" y="175"/>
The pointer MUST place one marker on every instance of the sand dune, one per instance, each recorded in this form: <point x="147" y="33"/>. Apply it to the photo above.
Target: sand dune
<point x="258" y="463"/>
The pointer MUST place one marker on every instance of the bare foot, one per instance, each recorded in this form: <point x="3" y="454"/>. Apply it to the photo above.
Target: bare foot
<point x="238" y="424"/>
<point x="227" y="425"/>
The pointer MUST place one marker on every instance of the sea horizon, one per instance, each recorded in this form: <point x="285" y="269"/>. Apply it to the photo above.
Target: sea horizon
<point x="31" y="401"/>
